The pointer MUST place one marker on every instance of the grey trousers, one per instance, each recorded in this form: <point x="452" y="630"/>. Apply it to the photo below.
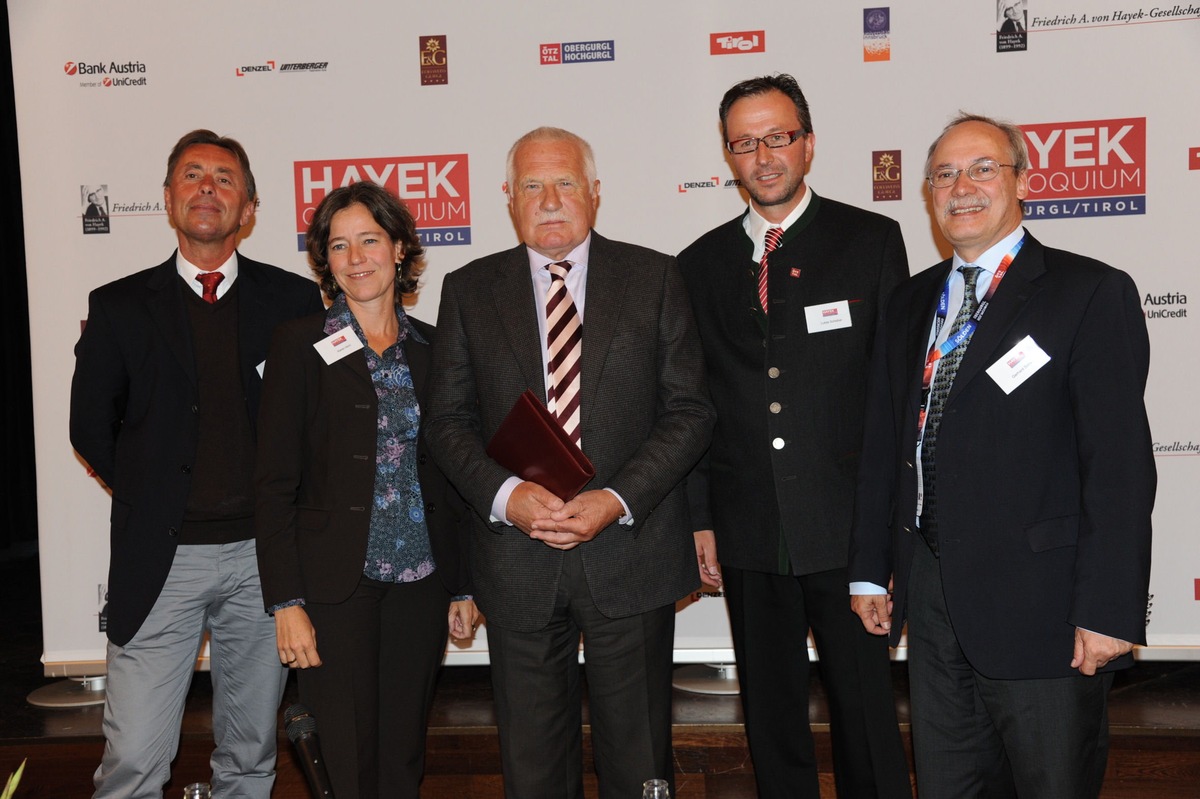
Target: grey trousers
<point x="212" y="587"/>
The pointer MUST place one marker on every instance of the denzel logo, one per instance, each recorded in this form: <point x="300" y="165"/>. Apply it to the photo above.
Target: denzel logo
<point x="737" y="42"/>
<point x="435" y="188"/>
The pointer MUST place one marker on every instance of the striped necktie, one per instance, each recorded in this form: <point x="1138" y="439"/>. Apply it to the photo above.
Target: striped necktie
<point x="769" y="245"/>
<point x="564" y="343"/>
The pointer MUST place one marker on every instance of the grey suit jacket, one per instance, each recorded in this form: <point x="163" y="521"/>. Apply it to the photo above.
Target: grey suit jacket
<point x="646" y="419"/>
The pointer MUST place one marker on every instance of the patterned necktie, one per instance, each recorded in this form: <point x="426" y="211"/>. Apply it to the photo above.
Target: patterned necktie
<point x="210" y="281"/>
<point x="564" y="343"/>
<point x="769" y="245"/>
<point x="947" y="368"/>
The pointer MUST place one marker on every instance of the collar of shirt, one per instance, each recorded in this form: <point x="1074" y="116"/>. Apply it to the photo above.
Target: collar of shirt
<point x="988" y="263"/>
<point x="576" y="278"/>
<point x="339" y="316"/>
<point x="188" y="271"/>
<point x="756" y="226"/>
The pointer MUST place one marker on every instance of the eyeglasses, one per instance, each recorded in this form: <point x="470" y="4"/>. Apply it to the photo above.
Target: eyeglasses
<point x="980" y="172"/>
<point x="773" y="140"/>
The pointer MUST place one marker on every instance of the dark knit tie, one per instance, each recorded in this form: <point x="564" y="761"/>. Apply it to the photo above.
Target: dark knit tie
<point x="947" y="368"/>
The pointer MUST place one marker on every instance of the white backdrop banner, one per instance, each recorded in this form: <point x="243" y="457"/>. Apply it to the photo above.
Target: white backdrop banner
<point x="426" y="98"/>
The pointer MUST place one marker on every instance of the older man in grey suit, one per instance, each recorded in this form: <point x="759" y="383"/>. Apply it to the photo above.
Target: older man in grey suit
<point x="627" y="380"/>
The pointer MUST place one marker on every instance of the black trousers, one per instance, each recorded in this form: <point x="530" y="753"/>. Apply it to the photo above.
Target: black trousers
<point x="380" y="652"/>
<point x="974" y="736"/>
<point x="770" y="616"/>
<point x="538" y="695"/>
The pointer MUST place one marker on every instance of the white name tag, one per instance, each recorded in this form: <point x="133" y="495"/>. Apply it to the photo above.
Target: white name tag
<point x="337" y="346"/>
<point x="1018" y="364"/>
<point x="830" y="316"/>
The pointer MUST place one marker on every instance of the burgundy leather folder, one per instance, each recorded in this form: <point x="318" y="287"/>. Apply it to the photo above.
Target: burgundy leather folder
<point x="532" y="445"/>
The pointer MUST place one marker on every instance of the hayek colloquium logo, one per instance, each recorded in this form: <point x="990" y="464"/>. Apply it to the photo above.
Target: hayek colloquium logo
<point x="435" y="189"/>
<point x="107" y="75"/>
<point x="737" y="42"/>
<point x="435" y="70"/>
<point x="877" y="34"/>
<point x="578" y="52"/>
<point x="1094" y="168"/>
<point x="885" y="175"/>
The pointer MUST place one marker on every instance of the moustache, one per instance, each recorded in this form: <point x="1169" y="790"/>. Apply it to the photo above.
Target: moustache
<point x="973" y="201"/>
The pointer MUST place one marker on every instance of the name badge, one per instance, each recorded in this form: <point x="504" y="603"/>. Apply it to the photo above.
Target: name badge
<point x="1018" y="364"/>
<point x="337" y="346"/>
<point x="830" y="316"/>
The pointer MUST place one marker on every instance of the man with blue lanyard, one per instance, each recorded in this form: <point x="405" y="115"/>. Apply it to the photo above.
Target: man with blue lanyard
<point x="1005" y="488"/>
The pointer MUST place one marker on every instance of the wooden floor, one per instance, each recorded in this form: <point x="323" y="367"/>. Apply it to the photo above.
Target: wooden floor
<point x="1154" y="720"/>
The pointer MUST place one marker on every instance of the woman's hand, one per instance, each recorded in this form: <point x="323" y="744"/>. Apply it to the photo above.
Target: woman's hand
<point x="463" y="618"/>
<point x="295" y="638"/>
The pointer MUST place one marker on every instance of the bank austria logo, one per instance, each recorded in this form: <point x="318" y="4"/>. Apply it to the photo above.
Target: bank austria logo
<point x="249" y="69"/>
<point x="1168" y="305"/>
<point x="577" y="52"/>
<point x="107" y="74"/>
<point x="709" y="183"/>
<point x="1088" y="168"/>
<point x="737" y="42"/>
<point x="434" y="188"/>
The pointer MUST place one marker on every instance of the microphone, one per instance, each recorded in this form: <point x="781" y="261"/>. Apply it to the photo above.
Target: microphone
<point x="301" y="729"/>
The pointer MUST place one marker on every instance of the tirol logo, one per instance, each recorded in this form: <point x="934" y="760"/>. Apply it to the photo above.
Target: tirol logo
<point x="885" y="175"/>
<point x="710" y="183"/>
<point x="435" y="70"/>
<point x="577" y="52"/>
<point x="1092" y="168"/>
<point x="268" y="66"/>
<point x="877" y="34"/>
<point x="737" y="42"/>
<point x="435" y="189"/>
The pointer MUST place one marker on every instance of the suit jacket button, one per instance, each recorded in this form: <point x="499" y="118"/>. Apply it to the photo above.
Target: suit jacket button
<point x="777" y="443"/>
<point x="185" y="469"/>
<point x="773" y="372"/>
<point x="422" y="459"/>
<point x="171" y="531"/>
<point x="195" y="409"/>
<point x="430" y="507"/>
<point x="775" y="407"/>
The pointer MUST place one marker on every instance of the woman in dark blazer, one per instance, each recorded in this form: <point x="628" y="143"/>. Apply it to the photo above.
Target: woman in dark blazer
<point x="360" y="540"/>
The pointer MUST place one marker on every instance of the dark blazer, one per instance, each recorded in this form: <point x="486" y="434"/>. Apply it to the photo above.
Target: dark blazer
<point x="133" y="411"/>
<point x="1044" y="494"/>
<point x="745" y="489"/>
<point x="646" y="420"/>
<point x="315" y="477"/>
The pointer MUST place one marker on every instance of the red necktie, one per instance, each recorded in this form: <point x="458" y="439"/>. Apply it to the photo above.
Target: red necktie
<point x="210" y="281"/>
<point x="769" y="245"/>
<point x="564" y="340"/>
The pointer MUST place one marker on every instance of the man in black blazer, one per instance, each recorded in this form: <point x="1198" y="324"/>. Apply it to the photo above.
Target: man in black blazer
<point x="611" y="562"/>
<point x="163" y="406"/>
<point x="1010" y="500"/>
<point x="777" y="484"/>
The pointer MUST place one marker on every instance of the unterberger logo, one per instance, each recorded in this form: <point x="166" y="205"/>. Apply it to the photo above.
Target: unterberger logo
<point x="1094" y="168"/>
<point x="577" y="52"/>
<point x="885" y="175"/>
<point x="877" y="34"/>
<point x="435" y="70"/>
<point x="710" y="183"/>
<point x="268" y="66"/>
<point x="113" y="73"/>
<point x="1171" y="305"/>
<point x="737" y="42"/>
<point x="435" y="188"/>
